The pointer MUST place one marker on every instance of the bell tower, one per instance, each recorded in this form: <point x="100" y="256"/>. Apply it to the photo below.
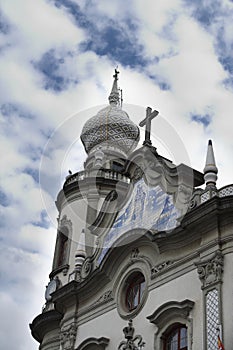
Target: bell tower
<point x="108" y="138"/>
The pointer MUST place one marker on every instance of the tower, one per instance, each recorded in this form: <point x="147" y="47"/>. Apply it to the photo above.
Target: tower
<point x="141" y="247"/>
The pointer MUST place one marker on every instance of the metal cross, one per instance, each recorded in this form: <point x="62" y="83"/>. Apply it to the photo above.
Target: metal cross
<point x="147" y="122"/>
<point x="115" y="76"/>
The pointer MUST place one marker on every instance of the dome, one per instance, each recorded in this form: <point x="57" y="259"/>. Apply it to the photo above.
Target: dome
<point x="111" y="127"/>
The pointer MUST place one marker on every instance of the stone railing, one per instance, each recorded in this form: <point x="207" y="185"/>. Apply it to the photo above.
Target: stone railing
<point x="226" y="191"/>
<point x="202" y="196"/>
<point x="103" y="173"/>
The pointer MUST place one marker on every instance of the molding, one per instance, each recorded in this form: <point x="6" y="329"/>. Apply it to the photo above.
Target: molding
<point x="63" y="295"/>
<point x="63" y="268"/>
<point x="87" y="315"/>
<point x="215" y="213"/>
<point x="170" y="310"/>
<point x="44" y="323"/>
<point x="93" y="344"/>
<point x="103" y="299"/>
<point x="135" y="265"/>
<point x="155" y="270"/>
<point x="170" y="314"/>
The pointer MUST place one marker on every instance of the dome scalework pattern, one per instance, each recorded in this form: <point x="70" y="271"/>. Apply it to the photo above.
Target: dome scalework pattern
<point x="111" y="127"/>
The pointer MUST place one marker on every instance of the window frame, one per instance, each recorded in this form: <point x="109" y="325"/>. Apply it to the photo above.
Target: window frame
<point x="172" y="330"/>
<point x="169" y="314"/>
<point x="122" y="284"/>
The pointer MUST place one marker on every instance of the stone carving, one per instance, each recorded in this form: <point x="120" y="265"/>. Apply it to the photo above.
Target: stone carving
<point x="210" y="271"/>
<point x="103" y="299"/>
<point x="134" y="253"/>
<point x="158" y="268"/>
<point x="107" y="296"/>
<point x="68" y="337"/>
<point x="132" y="342"/>
<point x="86" y="268"/>
<point x="65" y="222"/>
<point x="137" y="174"/>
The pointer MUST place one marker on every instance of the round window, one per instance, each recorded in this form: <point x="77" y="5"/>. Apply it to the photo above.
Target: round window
<point x="131" y="295"/>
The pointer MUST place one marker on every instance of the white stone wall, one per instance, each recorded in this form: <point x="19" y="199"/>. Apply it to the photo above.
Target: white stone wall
<point x="110" y="324"/>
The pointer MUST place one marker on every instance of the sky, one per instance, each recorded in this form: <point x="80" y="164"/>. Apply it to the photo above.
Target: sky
<point x="57" y="61"/>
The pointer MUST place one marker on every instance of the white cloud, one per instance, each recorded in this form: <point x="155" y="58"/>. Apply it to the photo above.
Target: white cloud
<point x="188" y="63"/>
<point x="39" y="26"/>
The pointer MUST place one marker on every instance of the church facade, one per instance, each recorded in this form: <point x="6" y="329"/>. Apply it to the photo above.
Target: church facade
<point x="144" y="255"/>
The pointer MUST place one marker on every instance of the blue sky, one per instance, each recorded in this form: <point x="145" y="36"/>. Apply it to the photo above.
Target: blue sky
<point x="57" y="60"/>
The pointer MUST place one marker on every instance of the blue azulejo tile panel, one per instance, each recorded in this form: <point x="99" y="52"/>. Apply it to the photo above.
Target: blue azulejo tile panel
<point x="148" y="208"/>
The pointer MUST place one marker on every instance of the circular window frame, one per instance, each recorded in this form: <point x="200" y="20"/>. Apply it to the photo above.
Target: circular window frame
<point x="122" y="291"/>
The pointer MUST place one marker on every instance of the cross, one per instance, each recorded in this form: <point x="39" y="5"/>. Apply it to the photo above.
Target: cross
<point x="115" y="76"/>
<point x="147" y="122"/>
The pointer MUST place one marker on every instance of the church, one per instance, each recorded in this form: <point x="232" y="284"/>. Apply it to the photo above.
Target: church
<point x="144" y="250"/>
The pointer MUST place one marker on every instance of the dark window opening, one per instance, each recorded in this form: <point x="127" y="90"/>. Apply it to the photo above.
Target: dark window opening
<point x="117" y="167"/>
<point x="135" y="291"/>
<point x="176" y="339"/>
<point x="62" y="252"/>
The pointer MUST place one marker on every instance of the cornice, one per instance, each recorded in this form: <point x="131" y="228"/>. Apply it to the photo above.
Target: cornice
<point x="45" y="322"/>
<point x="213" y="214"/>
<point x="171" y="309"/>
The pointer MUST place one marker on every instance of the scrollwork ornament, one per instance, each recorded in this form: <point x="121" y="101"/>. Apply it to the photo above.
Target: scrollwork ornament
<point x="138" y="173"/>
<point x="86" y="268"/>
<point x="192" y="204"/>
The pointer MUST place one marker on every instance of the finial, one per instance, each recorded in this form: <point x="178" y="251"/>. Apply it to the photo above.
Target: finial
<point x="80" y="252"/>
<point x="114" y="95"/>
<point x="210" y="170"/>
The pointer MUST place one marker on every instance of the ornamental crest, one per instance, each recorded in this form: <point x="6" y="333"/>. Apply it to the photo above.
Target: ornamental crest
<point x="210" y="271"/>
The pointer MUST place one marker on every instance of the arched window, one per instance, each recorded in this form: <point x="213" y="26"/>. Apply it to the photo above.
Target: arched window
<point x="94" y="344"/>
<point x="62" y="252"/>
<point x="176" y="338"/>
<point x="134" y="291"/>
<point x="62" y="248"/>
<point x="173" y="325"/>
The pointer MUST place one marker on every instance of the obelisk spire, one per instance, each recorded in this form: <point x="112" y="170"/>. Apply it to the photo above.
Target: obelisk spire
<point x="210" y="169"/>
